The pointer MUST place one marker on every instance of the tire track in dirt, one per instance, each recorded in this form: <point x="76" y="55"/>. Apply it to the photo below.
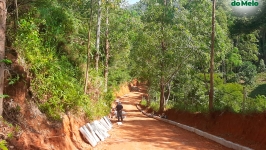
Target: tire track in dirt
<point x="139" y="132"/>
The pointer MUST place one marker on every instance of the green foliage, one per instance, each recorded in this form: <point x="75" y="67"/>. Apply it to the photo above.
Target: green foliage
<point x="257" y="104"/>
<point x="3" y="145"/>
<point x="6" y="61"/>
<point x="100" y="107"/>
<point x="190" y="92"/>
<point x="247" y="25"/>
<point x="154" y="105"/>
<point x="247" y="72"/>
<point x="154" y="101"/>
<point x="247" y="46"/>
<point x="144" y="102"/>
<point x="190" y="85"/>
<point x="193" y="96"/>
<point x="4" y="96"/>
<point x="10" y="135"/>
<point x="229" y="96"/>
<point x="44" y="43"/>
<point x="119" y="62"/>
<point x="234" y="57"/>
<point x="52" y="38"/>
<point x="12" y="81"/>
<point x="261" y="67"/>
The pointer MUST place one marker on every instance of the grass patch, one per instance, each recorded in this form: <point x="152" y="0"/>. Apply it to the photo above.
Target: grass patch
<point x="144" y="102"/>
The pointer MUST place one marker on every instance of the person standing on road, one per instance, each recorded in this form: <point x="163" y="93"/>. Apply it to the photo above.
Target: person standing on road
<point x="119" y="108"/>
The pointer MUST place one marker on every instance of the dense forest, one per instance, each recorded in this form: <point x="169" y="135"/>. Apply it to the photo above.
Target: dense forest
<point x="75" y="54"/>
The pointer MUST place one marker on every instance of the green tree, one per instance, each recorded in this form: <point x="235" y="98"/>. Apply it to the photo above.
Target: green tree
<point x="199" y="25"/>
<point x="247" y="46"/>
<point x="247" y="72"/>
<point x="234" y="60"/>
<point x="88" y="49"/>
<point x="107" y="48"/>
<point x="121" y="29"/>
<point x="98" y="32"/>
<point x="168" y="44"/>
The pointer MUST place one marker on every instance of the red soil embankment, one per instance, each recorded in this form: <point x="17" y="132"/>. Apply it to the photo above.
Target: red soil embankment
<point x="247" y="130"/>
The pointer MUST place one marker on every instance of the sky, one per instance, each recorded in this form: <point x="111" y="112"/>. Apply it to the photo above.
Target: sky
<point x="132" y="1"/>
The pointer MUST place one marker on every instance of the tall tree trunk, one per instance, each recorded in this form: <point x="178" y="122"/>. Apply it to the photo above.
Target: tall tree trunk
<point x="106" y="51"/>
<point x="2" y="49"/>
<point x="16" y="16"/>
<point x="88" y="52"/>
<point x="16" y="5"/>
<point x="162" y="98"/>
<point x="98" y="33"/>
<point x="162" y="80"/>
<point x="168" y="93"/>
<point x="211" y="93"/>
<point x="244" y="98"/>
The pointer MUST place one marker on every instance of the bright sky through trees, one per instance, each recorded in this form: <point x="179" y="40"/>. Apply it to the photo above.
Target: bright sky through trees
<point x="132" y="1"/>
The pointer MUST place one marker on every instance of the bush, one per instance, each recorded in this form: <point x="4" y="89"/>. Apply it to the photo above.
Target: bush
<point x="155" y="106"/>
<point x="257" y="104"/>
<point x="191" y="93"/>
<point x="229" y="96"/>
<point x="144" y="102"/>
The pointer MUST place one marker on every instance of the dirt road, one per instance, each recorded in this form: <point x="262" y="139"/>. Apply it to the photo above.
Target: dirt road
<point x="139" y="132"/>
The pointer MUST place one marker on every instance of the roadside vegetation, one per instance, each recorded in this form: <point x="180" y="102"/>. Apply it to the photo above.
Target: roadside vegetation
<point x="165" y="43"/>
<point x="182" y="81"/>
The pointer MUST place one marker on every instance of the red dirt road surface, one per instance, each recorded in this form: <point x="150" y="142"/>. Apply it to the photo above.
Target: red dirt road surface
<point x="139" y="132"/>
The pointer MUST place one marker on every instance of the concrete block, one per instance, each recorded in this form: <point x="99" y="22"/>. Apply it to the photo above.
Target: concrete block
<point x="87" y="136"/>
<point x="199" y="132"/>
<point x="245" y="148"/>
<point x="101" y="129"/>
<point x="189" y="128"/>
<point x="92" y="132"/>
<point x="230" y="145"/>
<point x="107" y="121"/>
<point x="215" y="138"/>
<point x="103" y="123"/>
<point x="97" y="132"/>
<point x="100" y="126"/>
